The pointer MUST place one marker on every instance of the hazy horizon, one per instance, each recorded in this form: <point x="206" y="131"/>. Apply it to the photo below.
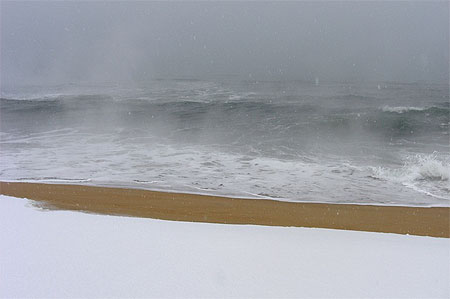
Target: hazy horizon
<point x="70" y="42"/>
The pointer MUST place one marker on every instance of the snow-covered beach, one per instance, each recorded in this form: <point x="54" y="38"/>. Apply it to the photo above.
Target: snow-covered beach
<point x="73" y="254"/>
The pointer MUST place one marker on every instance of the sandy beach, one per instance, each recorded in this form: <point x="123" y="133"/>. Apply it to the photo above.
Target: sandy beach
<point x="424" y="221"/>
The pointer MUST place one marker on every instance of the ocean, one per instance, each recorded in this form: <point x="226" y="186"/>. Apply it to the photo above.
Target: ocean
<point x="365" y="143"/>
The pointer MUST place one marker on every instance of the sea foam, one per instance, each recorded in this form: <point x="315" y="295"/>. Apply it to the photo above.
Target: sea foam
<point x="402" y="109"/>
<point x="426" y="174"/>
<point x="416" y="168"/>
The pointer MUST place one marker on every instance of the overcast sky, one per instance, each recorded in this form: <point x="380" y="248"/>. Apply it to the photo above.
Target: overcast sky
<point x="54" y="42"/>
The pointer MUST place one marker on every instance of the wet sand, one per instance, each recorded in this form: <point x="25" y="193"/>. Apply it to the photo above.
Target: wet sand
<point x="423" y="221"/>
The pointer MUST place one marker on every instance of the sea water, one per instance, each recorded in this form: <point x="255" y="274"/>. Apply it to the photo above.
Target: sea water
<point x="366" y="143"/>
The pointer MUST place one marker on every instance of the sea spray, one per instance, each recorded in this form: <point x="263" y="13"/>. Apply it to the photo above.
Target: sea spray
<point x="415" y="168"/>
<point x="283" y="140"/>
<point x="427" y="174"/>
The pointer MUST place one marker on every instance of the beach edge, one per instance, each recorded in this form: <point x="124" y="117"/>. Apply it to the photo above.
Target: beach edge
<point x="421" y="221"/>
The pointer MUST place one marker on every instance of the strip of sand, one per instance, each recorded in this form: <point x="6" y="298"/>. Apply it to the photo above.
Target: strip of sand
<point x="423" y="221"/>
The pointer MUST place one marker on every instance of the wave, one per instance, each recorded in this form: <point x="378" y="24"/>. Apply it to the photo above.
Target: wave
<point x="429" y="168"/>
<point x="32" y="98"/>
<point x="406" y="109"/>
<point x="50" y="179"/>
<point x="183" y="115"/>
<point x="418" y="167"/>
<point x="427" y="174"/>
<point x="402" y="109"/>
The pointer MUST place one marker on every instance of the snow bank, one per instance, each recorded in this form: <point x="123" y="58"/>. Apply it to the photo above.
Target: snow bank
<point x="70" y="254"/>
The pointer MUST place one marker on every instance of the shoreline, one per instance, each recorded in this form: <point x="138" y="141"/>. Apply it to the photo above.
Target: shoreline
<point x="422" y="221"/>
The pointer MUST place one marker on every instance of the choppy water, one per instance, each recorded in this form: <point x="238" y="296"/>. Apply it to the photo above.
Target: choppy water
<point x="371" y="143"/>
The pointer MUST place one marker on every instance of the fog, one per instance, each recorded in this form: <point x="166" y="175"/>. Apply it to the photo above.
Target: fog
<point x="54" y="42"/>
<point x="294" y="100"/>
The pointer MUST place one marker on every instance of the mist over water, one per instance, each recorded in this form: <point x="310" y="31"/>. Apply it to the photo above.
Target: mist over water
<point x="287" y="140"/>
<point x="327" y="102"/>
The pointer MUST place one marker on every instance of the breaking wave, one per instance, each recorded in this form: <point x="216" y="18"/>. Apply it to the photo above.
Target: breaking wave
<point x="406" y="109"/>
<point x="418" y="167"/>
<point x="279" y="141"/>
<point x="424" y="173"/>
<point x="402" y="109"/>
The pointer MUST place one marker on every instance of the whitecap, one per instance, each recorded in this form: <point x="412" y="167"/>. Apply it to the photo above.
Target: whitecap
<point x="402" y="109"/>
<point x="426" y="174"/>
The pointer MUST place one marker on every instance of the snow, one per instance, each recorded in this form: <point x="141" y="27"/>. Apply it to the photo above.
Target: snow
<point x="72" y="254"/>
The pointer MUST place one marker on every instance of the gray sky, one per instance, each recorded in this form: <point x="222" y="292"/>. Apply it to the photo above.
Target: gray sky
<point x="54" y="42"/>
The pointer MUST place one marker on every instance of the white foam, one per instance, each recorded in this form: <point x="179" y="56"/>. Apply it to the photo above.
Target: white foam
<point x="418" y="167"/>
<point x="402" y="109"/>
<point x="426" y="174"/>
<point x="105" y="159"/>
